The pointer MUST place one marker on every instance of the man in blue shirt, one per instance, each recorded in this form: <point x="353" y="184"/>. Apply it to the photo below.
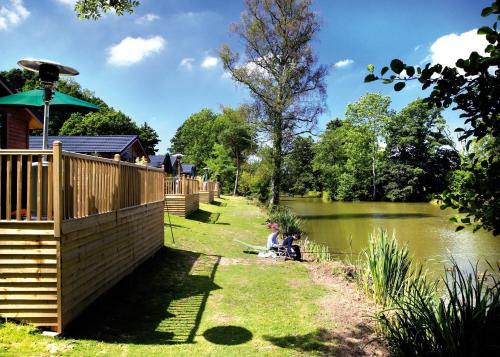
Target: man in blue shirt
<point x="287" y="243"/>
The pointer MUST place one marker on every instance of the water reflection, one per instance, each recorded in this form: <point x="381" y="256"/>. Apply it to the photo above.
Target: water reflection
<point x="423" y="226"/>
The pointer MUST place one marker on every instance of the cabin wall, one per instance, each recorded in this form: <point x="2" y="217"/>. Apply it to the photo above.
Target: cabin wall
<point x="17" y="129"/>
<point x="98" y="251"/>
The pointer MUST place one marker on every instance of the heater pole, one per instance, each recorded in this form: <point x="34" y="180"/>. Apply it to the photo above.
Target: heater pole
<point x="45" y="142"/>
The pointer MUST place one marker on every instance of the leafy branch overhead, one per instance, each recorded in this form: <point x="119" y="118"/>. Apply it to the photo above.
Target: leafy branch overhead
<point x="94" y="9"/>
<point x="473" y="87"/>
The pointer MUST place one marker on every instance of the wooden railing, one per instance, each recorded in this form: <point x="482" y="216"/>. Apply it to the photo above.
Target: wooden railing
<point x="25" y="189"/>
<point x="180" y="186"/>
<point x="206" y="185"/>
<point x="37" y="184"/>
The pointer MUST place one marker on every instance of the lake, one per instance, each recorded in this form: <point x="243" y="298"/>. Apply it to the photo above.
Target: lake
<point x="431" y="238"/>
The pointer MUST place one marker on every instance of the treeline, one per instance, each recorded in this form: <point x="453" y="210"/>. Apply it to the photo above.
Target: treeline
<point x="64" y="121"/>
<point x="374" y="153"/>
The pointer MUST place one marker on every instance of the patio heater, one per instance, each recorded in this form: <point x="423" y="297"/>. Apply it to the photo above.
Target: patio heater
<point x="49" y="73"/>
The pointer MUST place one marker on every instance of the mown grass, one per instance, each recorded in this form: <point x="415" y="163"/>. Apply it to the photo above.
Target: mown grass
<point x="200" y="296"/>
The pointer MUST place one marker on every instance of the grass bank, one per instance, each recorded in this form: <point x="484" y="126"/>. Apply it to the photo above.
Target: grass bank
<point x="204" y="296"/>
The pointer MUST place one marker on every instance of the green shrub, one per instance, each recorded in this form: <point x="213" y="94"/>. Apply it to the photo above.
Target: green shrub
<point x="289" y="223"/>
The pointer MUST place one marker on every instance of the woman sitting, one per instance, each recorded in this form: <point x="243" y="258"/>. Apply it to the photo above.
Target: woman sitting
<point x="272" y="239"/>
<point x="293" y="250"/>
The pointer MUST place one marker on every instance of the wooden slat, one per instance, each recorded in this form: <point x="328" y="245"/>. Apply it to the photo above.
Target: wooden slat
<point x="8" y="189"/>
<point x="29" y="191"/>
<point x="50" y="189"/>
<point x="39" y="192"/>
<point x="1" y="179"/>
<point x="19" y="186"/>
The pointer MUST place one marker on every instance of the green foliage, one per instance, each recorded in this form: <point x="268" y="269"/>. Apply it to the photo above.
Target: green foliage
<point x="298" y="175"/>
<point x="196" y="137"/>
<point x="221" y="165"/>
<point x="464" y="322"/>
<point x="238" y="136"/>
<point x="418" y="155"/>
<point x="94" y="9"/>
<point x="387" y="268"/>
<point x="281" y="72"/>
<point x="472" y="87"/>
<point x="288" y="221"/>
<point x="149" y="138"/>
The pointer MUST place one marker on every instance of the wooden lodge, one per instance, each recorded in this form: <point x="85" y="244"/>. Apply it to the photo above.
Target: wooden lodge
<point x="181" y="195"/>
<point x="71" y="226"/>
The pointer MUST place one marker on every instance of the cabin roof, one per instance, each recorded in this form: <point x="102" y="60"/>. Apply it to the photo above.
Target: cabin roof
<point x="156" y="160"/>
<point x="89" y="144"/>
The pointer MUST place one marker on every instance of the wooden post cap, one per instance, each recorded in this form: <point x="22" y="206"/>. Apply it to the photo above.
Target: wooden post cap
<point x="117" y="157"/>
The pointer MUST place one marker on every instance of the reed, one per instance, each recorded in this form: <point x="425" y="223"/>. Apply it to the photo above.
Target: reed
<point x="313" y="251"/>
<point x="465" y="321"/>
<point x="386" y="268"/>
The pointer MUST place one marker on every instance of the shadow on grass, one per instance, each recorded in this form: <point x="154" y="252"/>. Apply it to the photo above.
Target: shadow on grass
<point x="228" y="335"/>
<point x="218" y="203"/>
<point x="162" y="302"/>
<point x="204" y="216"/>
<point x="345" y="342"/>
<point x="374" y="215"/>
<point x="173" y="225"/>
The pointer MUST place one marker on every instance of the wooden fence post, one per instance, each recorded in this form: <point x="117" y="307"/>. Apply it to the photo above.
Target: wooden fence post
<point x="57" y="181"/>
<point x="117" y="181"/>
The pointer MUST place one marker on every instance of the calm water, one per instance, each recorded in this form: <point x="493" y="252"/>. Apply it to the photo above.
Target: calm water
<point x="423" y="226"/>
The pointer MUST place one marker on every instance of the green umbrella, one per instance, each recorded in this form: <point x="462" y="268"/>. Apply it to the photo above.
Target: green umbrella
<point x="34" y="98"/>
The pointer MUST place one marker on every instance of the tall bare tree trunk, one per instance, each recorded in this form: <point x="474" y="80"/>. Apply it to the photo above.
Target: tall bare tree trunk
<point x="374" y="192"/>
<point x="277" y="161"/>
<point x="235" y="191"/>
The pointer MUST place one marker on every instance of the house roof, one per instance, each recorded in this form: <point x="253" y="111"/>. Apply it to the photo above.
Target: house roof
<point x="88" y="144"/>
<point x="188" y="169"/>
<point x="156" y="160"/>
<point x="36" y="119"/>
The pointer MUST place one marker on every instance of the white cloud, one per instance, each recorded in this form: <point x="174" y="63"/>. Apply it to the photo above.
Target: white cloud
<point x="187" y="63"/>
<point x="447" y="49"/>
<point x="209" y="62"/>
<point x="12" y="14"/>
<point x="147" y="19"/>
<point x="68" y="2"/>
<point x="343" y="63"/>
<point x="133" y="50"/>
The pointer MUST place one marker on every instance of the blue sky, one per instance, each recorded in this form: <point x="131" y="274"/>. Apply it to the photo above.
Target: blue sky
<point x="160" y="64"/>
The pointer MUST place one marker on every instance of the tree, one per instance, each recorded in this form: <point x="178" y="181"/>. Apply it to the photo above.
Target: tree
<point x="281" y="71"/>
<point x="149" y="138"/>
<point x="93" y="9"/>
<point x="196" y="137"/>
<point x="298" y="176"/>
<point x="473" y="87"/>
<point x="238" y="136"/>
<point x="221" y="164"/>
<point x="371" y="111"/>
<point x="418" y="155"/>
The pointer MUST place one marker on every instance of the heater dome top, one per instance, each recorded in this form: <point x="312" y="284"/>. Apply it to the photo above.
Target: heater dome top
<point x="34" y="66"/>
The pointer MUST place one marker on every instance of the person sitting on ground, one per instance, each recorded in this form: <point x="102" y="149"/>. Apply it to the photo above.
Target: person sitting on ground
<point x="272" y="239"/>
<point x="288" y="244"/>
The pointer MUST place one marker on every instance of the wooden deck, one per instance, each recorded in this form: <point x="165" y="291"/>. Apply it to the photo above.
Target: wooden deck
<point x="71" y="226"/>
<point x="181" y="196"/>
<point x="207" y="190"/>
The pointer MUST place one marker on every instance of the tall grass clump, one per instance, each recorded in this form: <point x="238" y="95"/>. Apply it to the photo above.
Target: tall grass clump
<point x="315" y="251"/>
<point x="387" y="267"/>
<point x="288" y="221"/>
<point x="465" y="321"/>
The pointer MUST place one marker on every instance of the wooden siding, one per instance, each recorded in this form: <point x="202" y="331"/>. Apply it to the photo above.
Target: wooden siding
<point x="98" y="251"/>
<point x="28" y="272"/>
<point x="206" y="196"/>
<point x="182" y="205"/>
<point x="17" y="129"/>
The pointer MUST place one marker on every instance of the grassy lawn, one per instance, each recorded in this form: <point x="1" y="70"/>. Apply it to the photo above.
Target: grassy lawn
<point x="202" y="295"/>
